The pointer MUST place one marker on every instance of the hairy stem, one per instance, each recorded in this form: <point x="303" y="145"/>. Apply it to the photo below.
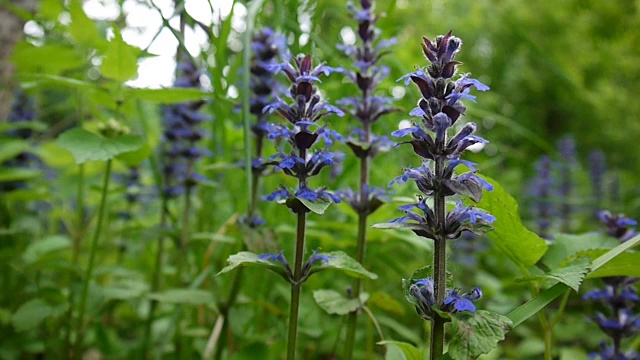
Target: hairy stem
<point x="92" y="256"/>
<point x="439" y="267"/>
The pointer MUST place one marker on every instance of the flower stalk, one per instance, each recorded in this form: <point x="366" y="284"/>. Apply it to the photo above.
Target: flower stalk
<point x="439" y="109"/>
<point x="367" y="109"/>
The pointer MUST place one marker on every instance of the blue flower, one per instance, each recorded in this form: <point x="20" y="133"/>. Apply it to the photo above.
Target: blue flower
<point x="424" y="294"/>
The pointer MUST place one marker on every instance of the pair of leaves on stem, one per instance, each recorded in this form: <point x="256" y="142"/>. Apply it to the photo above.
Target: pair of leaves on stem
<point x="338" y="260"/>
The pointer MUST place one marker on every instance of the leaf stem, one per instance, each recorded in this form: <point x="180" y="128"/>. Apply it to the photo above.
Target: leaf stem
<point x="92" y="256"/>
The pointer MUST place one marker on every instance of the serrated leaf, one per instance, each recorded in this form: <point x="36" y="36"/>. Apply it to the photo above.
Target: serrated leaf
<point x="167" y="96"/>
<point x="183" y="296"/>
<point x="477" y="333"/>
<point x="318" y="205"/>
<point x="566" y="246"/>
<point x="36" y="250"/>
<point x="338" y="260"/>
<point x="246" y="258"/>
<point x="120" y="62"/>
<point x="571" y="275"/>
<point x="398" y="350"/>
<point x="510" y="235"/>
<point x="30" y="314"/>
<point x="335" y="303"/>
<point x="86" y="146"/>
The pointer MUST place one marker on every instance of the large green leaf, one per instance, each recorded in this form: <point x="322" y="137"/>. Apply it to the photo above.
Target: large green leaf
<point x="183" y="296"/>
<point x="338" y="260"/>
<point x="85" y="145"/>
<point x="120" y="62"/>
<point x="30" y="314"/>
<point x="567" y="245"/>
<point x="167" y="96"/>
<point x="571" y="275"/>
<point x="476" y="333"/>
<point x="335" y="303"/>
<point x="521" y="245"/>
<point x="398" y="350"/>
<point x="246" y="258"/>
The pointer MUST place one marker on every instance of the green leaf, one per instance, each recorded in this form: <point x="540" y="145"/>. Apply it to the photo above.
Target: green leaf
<point x="318" y="205"/>
<point x="17" y="174"/>
<point x="167" y="96"/>
<point x="521" y="245"/>
<point x="120" y="62"/>
<point x="12" y="148"/>
<point x="398" y="350"/>
<point x="397" y="226"/>
<point x="38" y="249"/>
<point x="567" y="245"/>
<point x="82" y="29"/>
<point x="30" y="314"/>
<point x="387" y="303"/>
<point x="335" y="303"/>
<point x="421" y="273"/>
<point x="59" y="58"/>
<point x="476" y="333"/>
<point x="85" y="145"/>
<point x="623" y="265"/>
<point x="531" y="307"/>
<point x="20" y="125"/>
<point x="136" y="157"/>
<point x="246" y="258"/>
<point x="338" y="260"/>
<point x="183" y="296"/>
<point x="571" y="275"/>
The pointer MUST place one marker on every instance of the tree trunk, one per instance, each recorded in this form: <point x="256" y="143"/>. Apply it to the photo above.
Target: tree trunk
<point x="11" y="30"/>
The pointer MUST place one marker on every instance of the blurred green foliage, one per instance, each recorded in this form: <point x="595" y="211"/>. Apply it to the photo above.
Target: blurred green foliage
<point x="554" y="67"/>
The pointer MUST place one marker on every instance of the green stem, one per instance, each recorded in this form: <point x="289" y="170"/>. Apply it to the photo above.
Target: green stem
<point x="155" y="285"/>
<point x="363" y="213"/>
<point x="295" y="287"/>
<point x="182" y="254"/>
<point x="439" y="268"/>
<point x="92" y="256"/>
<point x="76" y="250"/>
